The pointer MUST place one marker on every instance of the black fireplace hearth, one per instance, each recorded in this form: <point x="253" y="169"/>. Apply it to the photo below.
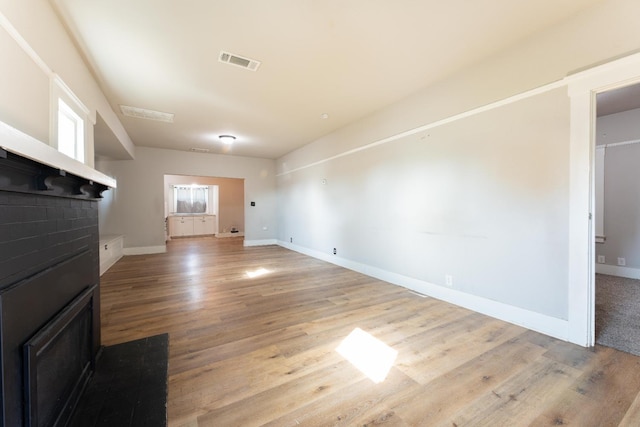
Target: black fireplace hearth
<point x="49" y="290"/>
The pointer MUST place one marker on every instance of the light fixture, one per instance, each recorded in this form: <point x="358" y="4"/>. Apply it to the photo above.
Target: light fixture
<point x="227" y="139"/>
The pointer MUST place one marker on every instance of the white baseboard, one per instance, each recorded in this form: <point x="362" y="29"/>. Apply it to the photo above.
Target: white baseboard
<point x="240" y="233"/>
<point x="145" y="250"/>
<point x="557" y="328"/>
<point x="616" y="270"/>
<point x="264" y="242"/>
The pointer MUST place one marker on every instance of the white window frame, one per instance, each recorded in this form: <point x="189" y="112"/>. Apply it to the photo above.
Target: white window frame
<point x="65" y="104"/>
<point x="73" y="148"/>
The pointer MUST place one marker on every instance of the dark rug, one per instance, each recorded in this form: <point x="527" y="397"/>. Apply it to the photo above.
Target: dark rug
<point x="129" y="386"/>
<point x="618" y="313"/>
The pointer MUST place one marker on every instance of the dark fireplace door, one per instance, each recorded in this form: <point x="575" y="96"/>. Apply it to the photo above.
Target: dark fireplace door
<point x="58" y="362"/>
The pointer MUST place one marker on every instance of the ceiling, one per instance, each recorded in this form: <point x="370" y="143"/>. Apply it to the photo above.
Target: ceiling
<point x="342" y="58"/>
<point x="618" y="100"/>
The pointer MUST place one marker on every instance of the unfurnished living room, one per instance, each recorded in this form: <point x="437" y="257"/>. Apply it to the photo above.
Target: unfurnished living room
<point x="308" y="212"/>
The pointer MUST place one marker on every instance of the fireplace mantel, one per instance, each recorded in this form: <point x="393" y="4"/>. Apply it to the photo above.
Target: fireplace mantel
<point x="17" y="142"/>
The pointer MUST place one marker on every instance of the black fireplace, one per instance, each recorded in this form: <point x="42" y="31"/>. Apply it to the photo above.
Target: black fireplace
<point x="49" y="290"/>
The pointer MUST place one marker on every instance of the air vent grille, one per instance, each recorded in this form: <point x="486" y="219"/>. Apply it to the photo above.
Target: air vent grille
<point x="142" y="113"/>
<point x="199" y="150"/>
<point x="238" y="61"/>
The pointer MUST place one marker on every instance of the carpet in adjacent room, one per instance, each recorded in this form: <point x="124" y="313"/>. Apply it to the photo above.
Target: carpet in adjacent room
<point x="618" y="313"/>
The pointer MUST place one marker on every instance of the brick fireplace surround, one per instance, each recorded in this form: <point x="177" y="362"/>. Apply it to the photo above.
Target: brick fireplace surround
<point x="49" y="290"/>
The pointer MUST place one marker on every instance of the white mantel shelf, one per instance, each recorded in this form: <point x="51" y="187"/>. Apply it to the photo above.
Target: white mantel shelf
<point x="17" y="142"/>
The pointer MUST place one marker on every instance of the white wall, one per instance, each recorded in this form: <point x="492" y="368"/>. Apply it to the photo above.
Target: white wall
<point x="483" y="198"/>
<point x="136" y="208"/>
<point x="24" y="83"/>
<point x="620" y="127"/>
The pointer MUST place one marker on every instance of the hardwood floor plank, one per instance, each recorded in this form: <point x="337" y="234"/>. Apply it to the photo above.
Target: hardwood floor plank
<point x="359" y="404"/>
<point x="603" y="394"/>
<point x="632" y="417"/>
<point x="275" y="402"/>
<point x="262" y="351"/>
<point x="458" y="388"/>
<point x="521" y="397"/>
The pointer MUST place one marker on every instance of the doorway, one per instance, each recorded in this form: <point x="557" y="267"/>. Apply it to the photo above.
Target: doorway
<point x="583" y="88"/>
<point x="617" y="218"/>
<point x="219" y="206"/>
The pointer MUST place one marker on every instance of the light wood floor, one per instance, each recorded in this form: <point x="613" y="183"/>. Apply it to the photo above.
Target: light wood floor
<point x="262" y="351"/>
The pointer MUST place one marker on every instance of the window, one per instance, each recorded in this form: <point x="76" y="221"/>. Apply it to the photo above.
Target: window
<point x="70" y="132"/>
<point x="69" y="121"/>
<point x="190" y="199"/>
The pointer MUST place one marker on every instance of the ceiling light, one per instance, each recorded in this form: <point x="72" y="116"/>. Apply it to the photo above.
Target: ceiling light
<point x="227" y="139"/>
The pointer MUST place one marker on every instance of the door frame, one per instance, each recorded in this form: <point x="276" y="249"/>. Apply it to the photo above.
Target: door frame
<point x="582" y="89"/>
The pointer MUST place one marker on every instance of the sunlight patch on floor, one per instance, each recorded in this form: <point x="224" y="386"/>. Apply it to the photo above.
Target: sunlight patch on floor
<point x="368" y="354"/>
<point x="257" y="273"/>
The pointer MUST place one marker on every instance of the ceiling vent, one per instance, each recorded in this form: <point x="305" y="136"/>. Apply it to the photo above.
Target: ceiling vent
<point x="141" y="113"/>
<point x="199" y="150"/>
<point x="238" y="61"/>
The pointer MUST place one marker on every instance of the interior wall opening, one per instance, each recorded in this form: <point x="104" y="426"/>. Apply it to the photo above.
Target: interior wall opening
<point x="617" y="218"/>
<point x="203" y="206"/>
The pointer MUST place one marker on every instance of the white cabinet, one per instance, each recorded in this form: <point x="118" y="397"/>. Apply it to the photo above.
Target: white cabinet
<point x="110" y="251"/>
<point x="203" y="225"/>
<point x="180" y="226"/>
<point x="210" y="224"/>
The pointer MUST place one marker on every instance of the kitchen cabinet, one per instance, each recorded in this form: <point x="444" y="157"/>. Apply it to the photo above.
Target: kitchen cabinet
<point x="181" y="226"/>
<point x="203" y="225"/>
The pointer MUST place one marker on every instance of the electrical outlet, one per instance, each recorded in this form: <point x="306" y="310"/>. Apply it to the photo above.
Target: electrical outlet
<point x="290" y="239"/>
<point x="335" y="251"/>
<point x="601" y="259"/>
<point x="622" y="261"/>
<point x="448" y="279"/>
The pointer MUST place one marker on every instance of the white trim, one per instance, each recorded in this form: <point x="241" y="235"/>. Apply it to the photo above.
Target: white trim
<point x="17" y="142"/>
<point x="598" y="192"/>
<point x="616" y="270"/>
<point x="616" y="144"/>
<point x="581" y="229"/>
<point x="506" y="101"/>
<point x="62" y="86"/>
<point x="15" y="35"/>
<point x="264" y="242"/>
<point x="145" y="250"/>
<point x="557" y="328"/>
<point x="583" y="87"/>
<point x="573" y="80"/>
